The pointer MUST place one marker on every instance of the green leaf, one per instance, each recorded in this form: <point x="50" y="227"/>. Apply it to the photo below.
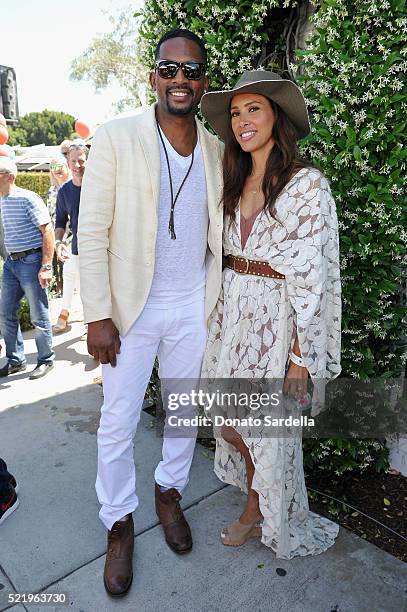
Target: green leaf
<point x="350" y="133"/>
<point x="357" y="153"/>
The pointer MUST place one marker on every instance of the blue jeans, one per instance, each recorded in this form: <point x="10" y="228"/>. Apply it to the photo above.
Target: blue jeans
<point x="20" y="278"/>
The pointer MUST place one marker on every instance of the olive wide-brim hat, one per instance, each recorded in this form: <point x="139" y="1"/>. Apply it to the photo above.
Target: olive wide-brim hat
<point x="215" y="104"/>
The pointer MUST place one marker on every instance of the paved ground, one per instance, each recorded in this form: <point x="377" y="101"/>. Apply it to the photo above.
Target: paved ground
<point x="55" y="543"/>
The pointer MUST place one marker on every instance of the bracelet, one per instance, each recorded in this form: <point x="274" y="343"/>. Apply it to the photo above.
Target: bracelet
<point x="46" y="267"/>
<point x="296" y="359"/>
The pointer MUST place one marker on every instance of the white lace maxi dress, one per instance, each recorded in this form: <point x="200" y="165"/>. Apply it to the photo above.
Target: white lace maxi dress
<point x="250" y="334"/>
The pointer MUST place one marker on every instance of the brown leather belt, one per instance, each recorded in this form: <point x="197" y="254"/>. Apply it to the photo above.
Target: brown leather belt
<point x="241" y="265"/>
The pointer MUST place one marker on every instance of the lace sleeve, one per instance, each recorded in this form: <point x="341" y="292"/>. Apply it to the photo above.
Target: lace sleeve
<point x="308" y="255"/>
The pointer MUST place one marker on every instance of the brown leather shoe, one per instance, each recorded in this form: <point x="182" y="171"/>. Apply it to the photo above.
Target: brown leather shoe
<point x="176" y="529"/>
<point x="118" y="574"/>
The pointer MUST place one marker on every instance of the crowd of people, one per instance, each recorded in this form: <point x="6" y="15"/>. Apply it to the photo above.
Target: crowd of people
<point x="221" y="258"/>
<point x="41" y="240"/>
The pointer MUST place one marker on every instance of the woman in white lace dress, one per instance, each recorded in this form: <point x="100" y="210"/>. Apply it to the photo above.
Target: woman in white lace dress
<point x="278" y="319"/>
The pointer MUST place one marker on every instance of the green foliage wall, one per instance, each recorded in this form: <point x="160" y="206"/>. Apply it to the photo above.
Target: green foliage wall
<point x="232" y="31"/>
<point x="354" y="87"/>
<point x="34" y="181"/>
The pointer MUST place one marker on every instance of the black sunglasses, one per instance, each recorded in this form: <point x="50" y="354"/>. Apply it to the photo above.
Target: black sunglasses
<point x="193" y="71"/>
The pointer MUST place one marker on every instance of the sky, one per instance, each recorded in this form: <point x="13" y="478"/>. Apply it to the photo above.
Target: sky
<point x="40" y="39"/>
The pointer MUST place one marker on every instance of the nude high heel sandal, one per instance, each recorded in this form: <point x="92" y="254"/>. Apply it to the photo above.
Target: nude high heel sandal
<point x="237" y="534"/>
<point x="61" y="324"/>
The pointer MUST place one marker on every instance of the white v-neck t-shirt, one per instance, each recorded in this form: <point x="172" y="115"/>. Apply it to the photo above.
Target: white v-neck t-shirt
<point x="179" y="273"/>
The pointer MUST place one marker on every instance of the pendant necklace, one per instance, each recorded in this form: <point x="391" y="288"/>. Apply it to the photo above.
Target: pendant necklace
<point x="171" y="227"/>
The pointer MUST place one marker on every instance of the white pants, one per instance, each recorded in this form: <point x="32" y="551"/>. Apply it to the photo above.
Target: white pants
<point x="177" y="336"/>
<point x="70" y="276"/>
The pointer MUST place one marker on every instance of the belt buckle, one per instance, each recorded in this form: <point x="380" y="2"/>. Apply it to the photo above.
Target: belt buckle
<point x="247" y="262"/>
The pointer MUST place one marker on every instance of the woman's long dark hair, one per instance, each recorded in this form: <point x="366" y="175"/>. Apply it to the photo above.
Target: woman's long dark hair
<point x="284" y="160"/>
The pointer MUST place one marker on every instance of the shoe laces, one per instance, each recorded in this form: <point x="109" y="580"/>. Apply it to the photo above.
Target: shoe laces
<point x="114" y="534"/>
<point x="176" y="496"/>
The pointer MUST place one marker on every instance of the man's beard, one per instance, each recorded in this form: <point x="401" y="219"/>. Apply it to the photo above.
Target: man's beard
<point x="181" y="111"/>
<point x="175" y="110"/>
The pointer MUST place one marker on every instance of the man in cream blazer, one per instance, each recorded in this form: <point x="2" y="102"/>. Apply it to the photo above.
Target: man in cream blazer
<point x="150" y="252"/>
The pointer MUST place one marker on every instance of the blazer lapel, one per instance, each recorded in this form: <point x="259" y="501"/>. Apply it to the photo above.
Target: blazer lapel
<point x="213" y="173"/>
<point x="213" y="170"/>
<point x="151" y="149"/>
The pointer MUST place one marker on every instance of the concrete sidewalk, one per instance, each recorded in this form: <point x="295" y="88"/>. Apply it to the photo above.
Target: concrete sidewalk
<point x="55" y="542"/>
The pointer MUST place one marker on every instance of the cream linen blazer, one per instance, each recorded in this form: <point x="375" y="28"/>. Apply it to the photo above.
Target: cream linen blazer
<point x="118" y="218"/>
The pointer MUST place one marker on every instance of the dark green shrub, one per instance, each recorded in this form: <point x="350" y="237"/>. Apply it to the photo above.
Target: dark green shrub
<point x="353" y="81"/>
<point x="34" y="181"/>
<point x="339" y="456"/>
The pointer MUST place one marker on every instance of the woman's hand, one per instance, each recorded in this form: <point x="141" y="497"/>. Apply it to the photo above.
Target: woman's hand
<point x="295" y="383"/>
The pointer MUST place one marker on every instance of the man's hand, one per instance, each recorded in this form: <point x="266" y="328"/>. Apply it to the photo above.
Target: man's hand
<point x="62" y="252"/>
<point x="104" y="341"/>
<point x="45" y="277"/>
<point x="295" y="383"/>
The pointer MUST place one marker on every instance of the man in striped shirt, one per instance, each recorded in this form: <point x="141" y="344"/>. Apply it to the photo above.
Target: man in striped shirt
<point x="29" y="240"/>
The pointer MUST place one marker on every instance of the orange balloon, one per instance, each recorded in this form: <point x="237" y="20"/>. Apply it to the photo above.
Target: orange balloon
<point x="82" y="129"/>
<point x="3" y="135"/>
<point x="3" y="120"/>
